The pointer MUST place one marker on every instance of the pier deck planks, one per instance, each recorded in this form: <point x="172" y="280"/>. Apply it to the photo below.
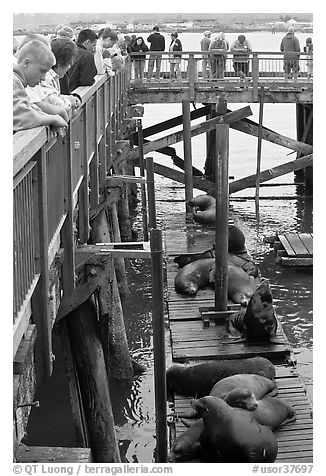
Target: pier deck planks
<point x="192" y="342"/>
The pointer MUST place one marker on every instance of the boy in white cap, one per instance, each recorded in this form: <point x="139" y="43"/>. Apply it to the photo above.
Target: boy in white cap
<point x="290" y="46"/>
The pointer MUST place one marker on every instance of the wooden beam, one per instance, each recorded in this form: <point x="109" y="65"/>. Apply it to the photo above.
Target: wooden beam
<point x="170" y="123"/>
<point x="115" y="180"/>
<point x="195" y="130"/>
<point x="252" y="128"/>
<point x="206" y="186"/>
<point x="269" y="174"/>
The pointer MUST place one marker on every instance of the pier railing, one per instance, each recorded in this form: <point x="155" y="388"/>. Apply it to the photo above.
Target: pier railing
<point x="201" y="66"/>
<point x="52" y="177"/>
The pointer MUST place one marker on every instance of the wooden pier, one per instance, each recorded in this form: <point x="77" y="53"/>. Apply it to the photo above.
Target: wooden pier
<point x="191" y="343"/>
<point x="71" y="199"/>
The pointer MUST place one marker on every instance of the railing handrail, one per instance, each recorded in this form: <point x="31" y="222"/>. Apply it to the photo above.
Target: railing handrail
<point x="27" y="142"/>
<point x="204" y="53"/>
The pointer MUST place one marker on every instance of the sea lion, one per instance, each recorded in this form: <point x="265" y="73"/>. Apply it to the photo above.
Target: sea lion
<point x="241" y="286"/>
<point x="187" y="445"/>
<point x="203" y="209"/>
<point x="269" y="411"/>
<point x="199" y="379"/>
<point x="201" y="274"/>
<point x="243" y="260"/>
<point x="236" y="436"/>
<point x="258" y="322"/>
<point x="256" y="384"/>
<point x="194" y="276"/>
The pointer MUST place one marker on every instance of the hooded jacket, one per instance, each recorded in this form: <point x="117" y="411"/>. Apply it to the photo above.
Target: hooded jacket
<point x="290" y="45"/>
<point x="157" y="41"/>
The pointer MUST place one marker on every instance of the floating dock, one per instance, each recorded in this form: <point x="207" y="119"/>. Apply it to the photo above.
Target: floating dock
<point x="191" y="342"/>
<point x="294" y="249"/>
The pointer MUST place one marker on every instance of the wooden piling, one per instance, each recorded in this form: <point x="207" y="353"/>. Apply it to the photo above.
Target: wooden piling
<point x="221" y="221"/>
<point x="123" y="209"/>
<point x="216" y="110"/>
<point x="259" y="147"/>
<point x="88" y="355"/>
<point x="304" y="122"/>
<point x="186" y="121"/>
<point x="112" y="328"/>
<point x="119" y="263"/>
<point x="151" y="192"/>
<point x="142" y="174"/>
<point x="159" y="345"/>
<point x="113" y="332"/>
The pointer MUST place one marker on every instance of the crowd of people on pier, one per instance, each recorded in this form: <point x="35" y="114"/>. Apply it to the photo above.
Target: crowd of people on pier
<point x="46" y="71"/>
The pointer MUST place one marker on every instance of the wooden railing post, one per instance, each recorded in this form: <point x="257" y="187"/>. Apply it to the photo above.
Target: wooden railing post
<point x="94" y="165"/>
<point x="83" y="190"/>
<point x="40" y="307"/>
<point x="67" y="232"/>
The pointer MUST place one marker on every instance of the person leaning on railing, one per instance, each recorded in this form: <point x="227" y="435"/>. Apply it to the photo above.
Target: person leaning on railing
<point x="33" y="61"/>
<point x="139" y="46"/>
<point x="241" y="49"/>
<point x="65" y="51"/>
<point x="218" y="48"/>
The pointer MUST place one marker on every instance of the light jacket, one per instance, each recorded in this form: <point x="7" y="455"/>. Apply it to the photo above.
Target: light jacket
<point x="25" y="115"/>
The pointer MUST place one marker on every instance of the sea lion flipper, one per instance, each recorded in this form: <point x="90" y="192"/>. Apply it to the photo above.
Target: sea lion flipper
<point x="234" y="340"/>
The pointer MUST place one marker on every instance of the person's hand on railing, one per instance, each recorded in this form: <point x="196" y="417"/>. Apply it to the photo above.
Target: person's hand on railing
<point x="58" y="126"/>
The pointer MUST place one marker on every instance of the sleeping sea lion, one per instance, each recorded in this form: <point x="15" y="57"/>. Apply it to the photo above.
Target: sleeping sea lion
<point x="269" y="411"/>
<point x="203" y="209"/>
<point x="201" y="274"/>
<point x="234" y="434"/>
<point x="243" y="260"/>
<point x="199" y="379"/>
<point x="256" y="384"/>
<point x="258" y="322"/>
<point x="241" y="286"/>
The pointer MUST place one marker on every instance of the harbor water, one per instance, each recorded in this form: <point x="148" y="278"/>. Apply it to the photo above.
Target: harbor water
<point x="133" y="403"/>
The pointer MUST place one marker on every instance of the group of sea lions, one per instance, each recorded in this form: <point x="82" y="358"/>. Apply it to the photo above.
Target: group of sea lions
<point x="236" y="410"/>
<point x="256" y="321"/>
<point x="234" y="400"/>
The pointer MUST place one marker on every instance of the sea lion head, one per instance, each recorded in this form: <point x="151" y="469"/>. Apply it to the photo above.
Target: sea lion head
<point x="241" y="398"/>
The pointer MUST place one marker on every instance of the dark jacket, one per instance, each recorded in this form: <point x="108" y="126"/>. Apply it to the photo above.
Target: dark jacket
<point x="135" y="48"/>
<point x="83" y="70"/>
<point x="157" y="42"/>
<point x="290" y="45"/>
<point x="176" y="47"/>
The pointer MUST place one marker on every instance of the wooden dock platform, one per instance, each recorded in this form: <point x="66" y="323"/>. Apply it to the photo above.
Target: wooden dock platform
<point x="295" y="440"/>
<point x="191" y="342"/>
<point x="294" y="249"/>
